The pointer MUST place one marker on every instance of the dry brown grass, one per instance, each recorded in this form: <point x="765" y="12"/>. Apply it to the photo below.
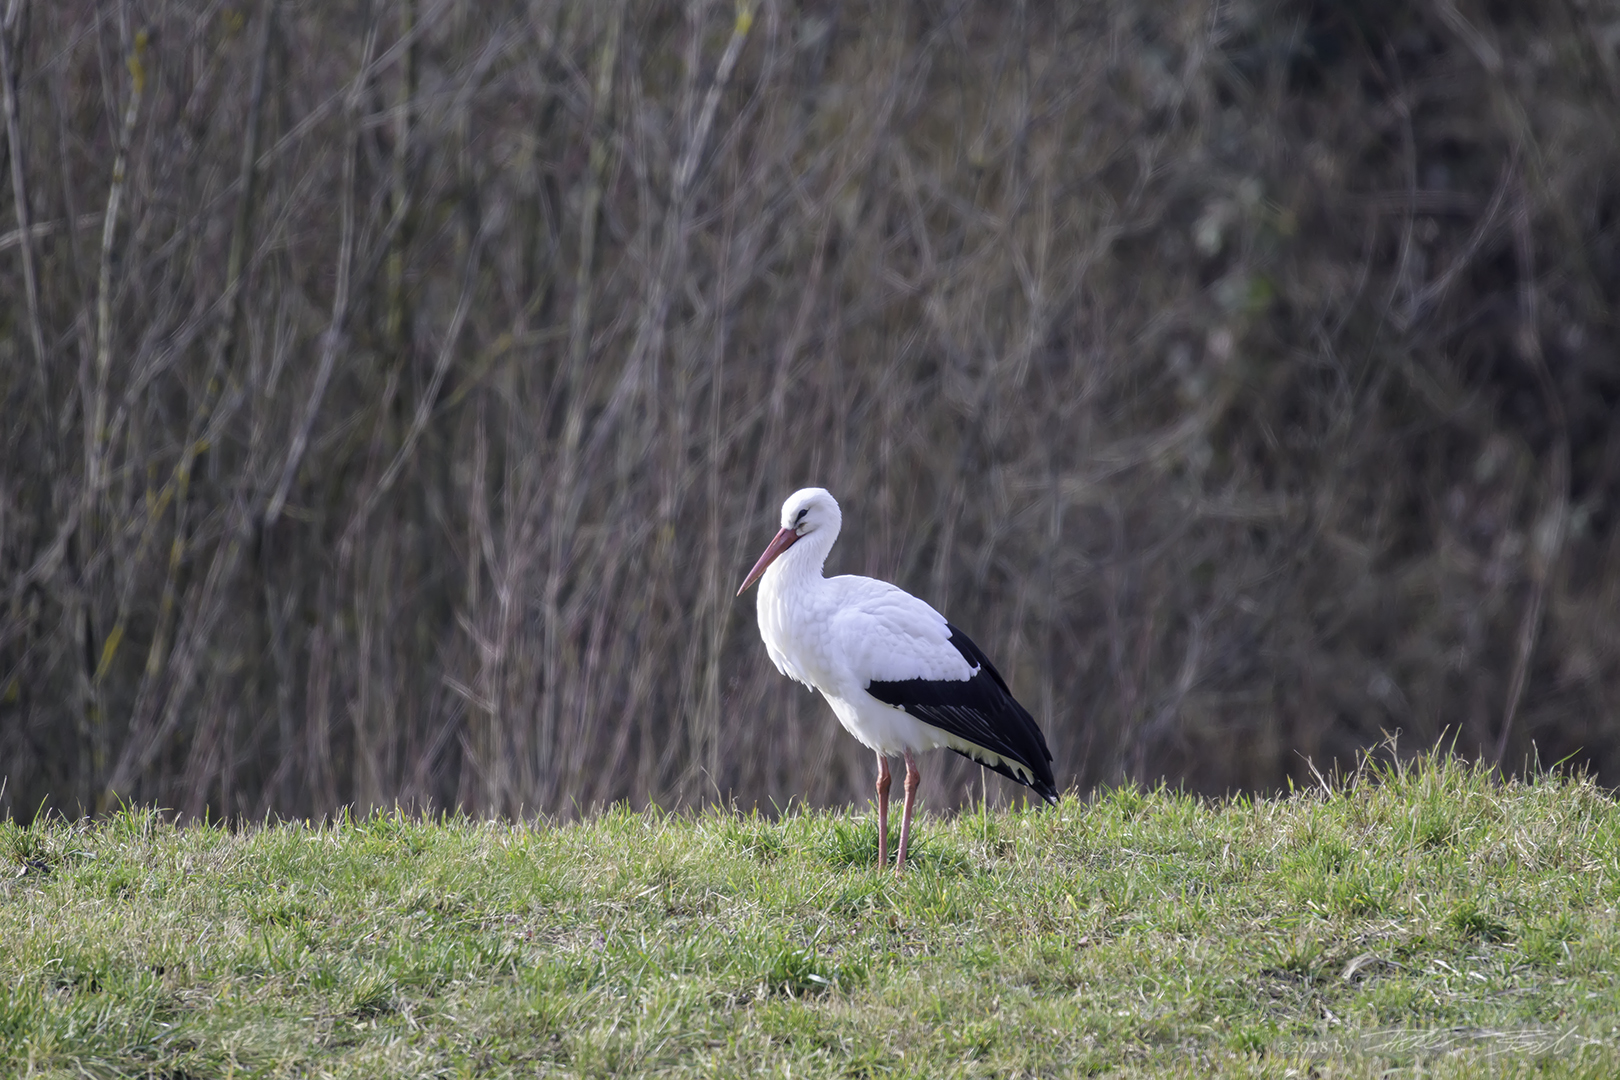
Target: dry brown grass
<point x="394" y="394"/>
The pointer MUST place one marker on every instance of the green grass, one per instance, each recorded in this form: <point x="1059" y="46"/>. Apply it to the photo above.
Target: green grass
<point x="1427" y="920"/>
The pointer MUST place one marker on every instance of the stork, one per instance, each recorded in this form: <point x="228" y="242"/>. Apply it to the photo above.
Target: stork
<point x="898" y="675"/>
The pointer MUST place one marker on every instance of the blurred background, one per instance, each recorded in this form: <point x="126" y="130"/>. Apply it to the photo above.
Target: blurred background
<point x="395" y="392"/>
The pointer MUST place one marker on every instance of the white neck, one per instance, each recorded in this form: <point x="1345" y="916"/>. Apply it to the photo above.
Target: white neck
<point x="799" y="568"/>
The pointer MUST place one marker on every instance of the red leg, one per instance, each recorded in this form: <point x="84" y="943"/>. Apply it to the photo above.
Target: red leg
<point x="883" y="810"/>
<point x="913" y="778"/>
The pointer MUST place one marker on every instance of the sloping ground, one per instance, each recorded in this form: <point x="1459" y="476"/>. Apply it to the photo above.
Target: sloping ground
<point x="1424" y="920"/>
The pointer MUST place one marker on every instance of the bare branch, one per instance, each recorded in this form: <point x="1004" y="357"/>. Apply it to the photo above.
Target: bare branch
<point x="25" y="233"/>
<point x="340" y="295"/>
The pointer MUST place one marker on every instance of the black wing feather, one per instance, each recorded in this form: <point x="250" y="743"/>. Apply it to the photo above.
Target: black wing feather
<point x="980" y="710"/>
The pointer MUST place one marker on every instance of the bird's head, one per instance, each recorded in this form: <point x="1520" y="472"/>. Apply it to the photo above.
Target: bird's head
<point x="807" y="511"/>
<point x="810" y="509"/>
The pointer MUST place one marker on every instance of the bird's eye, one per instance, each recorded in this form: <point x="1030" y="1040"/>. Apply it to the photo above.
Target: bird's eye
<point x="800" y="516"/>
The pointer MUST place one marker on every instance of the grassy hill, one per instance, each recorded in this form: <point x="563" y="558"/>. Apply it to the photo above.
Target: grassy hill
<point x="1426" y="918"/>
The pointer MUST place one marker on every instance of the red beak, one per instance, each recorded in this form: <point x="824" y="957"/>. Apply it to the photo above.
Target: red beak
<point x="779" y="543"/>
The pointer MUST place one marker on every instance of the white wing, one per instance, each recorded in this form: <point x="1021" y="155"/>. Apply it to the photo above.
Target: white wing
<point x="884" y="634"/>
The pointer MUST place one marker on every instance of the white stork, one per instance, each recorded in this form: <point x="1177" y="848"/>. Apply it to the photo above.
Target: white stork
<point x="900" y="678"/>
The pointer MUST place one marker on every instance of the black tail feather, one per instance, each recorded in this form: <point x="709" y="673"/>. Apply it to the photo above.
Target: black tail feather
<point x="981" y="711"/>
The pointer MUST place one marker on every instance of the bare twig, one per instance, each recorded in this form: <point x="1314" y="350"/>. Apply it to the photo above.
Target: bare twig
<point x="146" y="739"/>
<point x="1547" y="538"/>
<point x="1421" y="301"/>
<point x="95" y="431"/>
<point x="564" y="501"/>
<point x="39" y="230"/>
<point x="228" y="310"/>
<point x="394" y="319"/>
<point x="340" y="296"/>
<point x="25" y="233"/>
<point x="370" y="68"/>
<point x="97" y="655"/>
<point x="650" y="328"/>
<point x="424" y="405"/>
